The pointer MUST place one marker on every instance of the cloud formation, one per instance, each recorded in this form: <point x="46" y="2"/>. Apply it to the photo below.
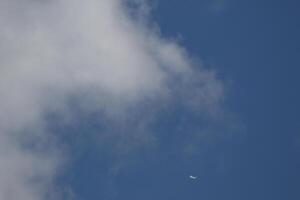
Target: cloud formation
<point x="95" y="51"/>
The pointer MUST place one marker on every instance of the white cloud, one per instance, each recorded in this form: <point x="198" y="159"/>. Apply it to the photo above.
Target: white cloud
<point x="92" y="50"/>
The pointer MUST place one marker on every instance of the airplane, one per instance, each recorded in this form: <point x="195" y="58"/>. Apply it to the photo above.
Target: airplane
<point x="192" y="177"/>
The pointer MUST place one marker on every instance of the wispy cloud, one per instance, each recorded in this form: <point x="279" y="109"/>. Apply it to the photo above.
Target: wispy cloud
<point x="98" y="53"/>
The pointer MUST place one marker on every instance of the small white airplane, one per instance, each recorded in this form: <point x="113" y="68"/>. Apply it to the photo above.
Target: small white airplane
<point x="192" y="177"/>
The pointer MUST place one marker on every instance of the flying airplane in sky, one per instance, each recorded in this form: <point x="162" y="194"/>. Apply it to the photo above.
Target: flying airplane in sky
<point x="192" y="177"/>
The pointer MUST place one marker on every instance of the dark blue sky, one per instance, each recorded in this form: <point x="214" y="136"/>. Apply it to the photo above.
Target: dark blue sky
<point x="254" y="44"/>
<point x="254" y="47"/>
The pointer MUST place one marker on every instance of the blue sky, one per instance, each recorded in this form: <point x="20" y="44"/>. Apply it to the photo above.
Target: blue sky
<point x="104" y="100"/>
<point x="255" y="45"/>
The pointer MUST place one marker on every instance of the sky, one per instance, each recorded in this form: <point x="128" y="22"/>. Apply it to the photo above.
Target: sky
<point x="125" y="99"/>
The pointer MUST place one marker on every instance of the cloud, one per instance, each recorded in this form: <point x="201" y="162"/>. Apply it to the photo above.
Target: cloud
<point x="99" y="54"/>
